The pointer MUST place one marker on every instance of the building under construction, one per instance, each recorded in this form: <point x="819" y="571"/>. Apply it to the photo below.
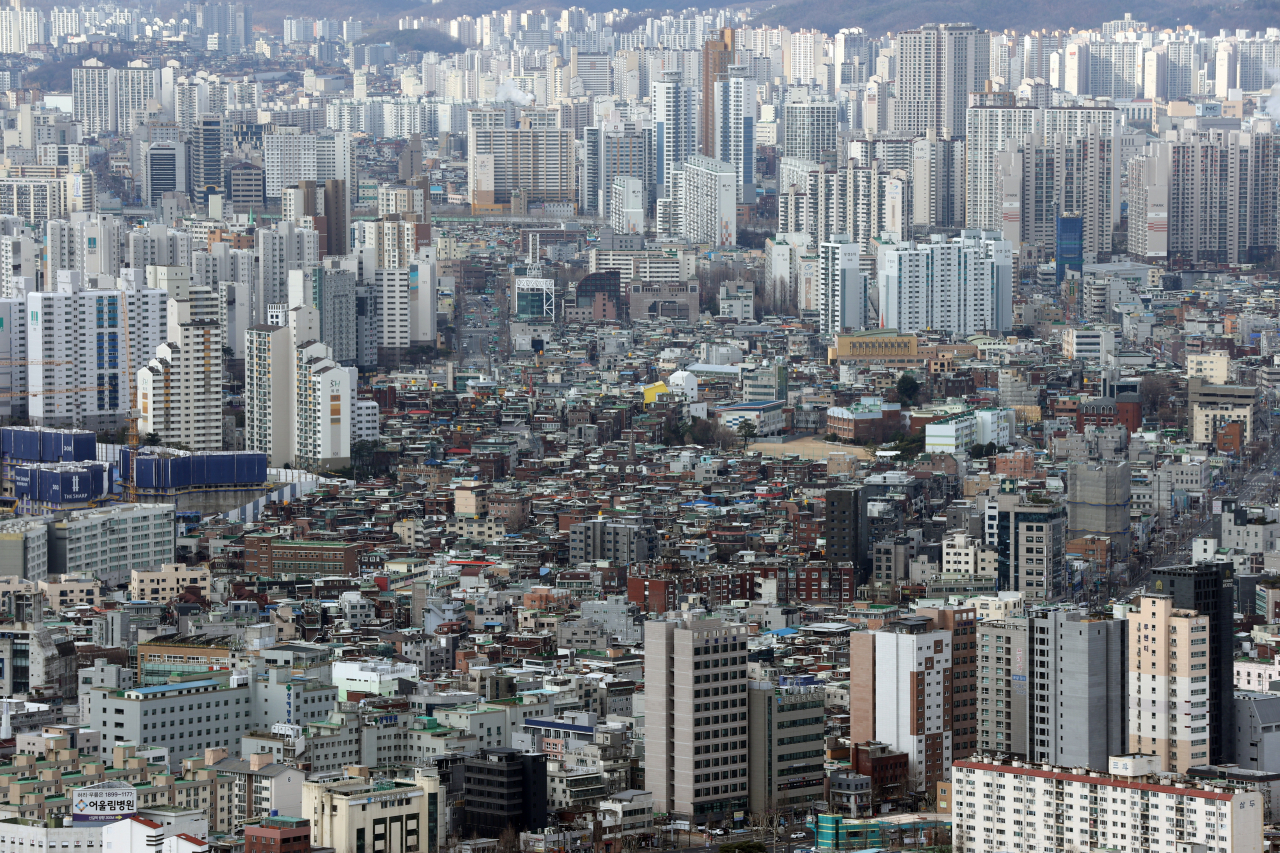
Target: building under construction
<point x="1098" y="503"/>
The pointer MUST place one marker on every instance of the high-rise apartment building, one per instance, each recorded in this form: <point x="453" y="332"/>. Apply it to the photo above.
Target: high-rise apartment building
<point x="1030" y="540"/>
<point x="938" y="66"/>
<point x="735" y="142"/>
<point x="1205" y="198"/>
<point x="1074" y="681"/>
<point x="964" y="286"/>
<point x="79" y="375"/>
<point x="1207" y="589"/>
<point x="673" y="125"/>
<point x="94" y="97"/>
<point x="180" y="390"/>
<point x="703" y="204"/>
<point x="786" y="728"/>
<point x="1169" y="682"/>
<point x="323" y="399"/>
<point x="1003" y="699"/>
<point x="269" y="378"/>
<point x="961" y="621"/>
<point x="900" y="693"/>
<point x="696" y="716"/>
<point x="844" y="291"/>
<point x="717" y="55"/>
<point x="990" y="129"/>
<point x="534" y="160"/>
<point x="808" y="129"/>
<point x="1145" y="810"/>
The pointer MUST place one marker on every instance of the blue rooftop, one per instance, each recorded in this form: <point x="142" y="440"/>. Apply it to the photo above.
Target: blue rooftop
<point x="165" y="688"/>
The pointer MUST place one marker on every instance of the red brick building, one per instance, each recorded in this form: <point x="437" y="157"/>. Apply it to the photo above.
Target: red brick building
<point x="278" y="835"/>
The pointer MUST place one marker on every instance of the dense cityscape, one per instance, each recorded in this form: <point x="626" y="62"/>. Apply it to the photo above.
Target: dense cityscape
<point x="568" y="431"/>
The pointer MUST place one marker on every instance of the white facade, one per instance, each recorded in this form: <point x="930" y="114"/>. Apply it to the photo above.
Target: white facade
<point x="626" y="205"/>
<point x="268" y="393"/>
<point x="323" y="416"/>
<point x="364" y="421"/>
<point x="708" y="200"/>
<point x="109" y="543"/>
<point x="912" y="669"/>
<point x="963" y="286"/>
<point x="1003" y="806"/>
<point x="79" y="373"/>
<point x="843" y="289"/>
<point x="370" y="677"/>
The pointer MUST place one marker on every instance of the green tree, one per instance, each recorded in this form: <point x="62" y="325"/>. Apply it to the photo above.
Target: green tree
<point x="746" y="432"/>
<point x="908" y="388"/>
<point x="990" y="449"/>
<point x="978" y="451"/>
<point x="151" y="439"/>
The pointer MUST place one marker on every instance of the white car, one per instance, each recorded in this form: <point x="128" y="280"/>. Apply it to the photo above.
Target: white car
<point x="796" y="835"/>
<point x="717" y="832"/>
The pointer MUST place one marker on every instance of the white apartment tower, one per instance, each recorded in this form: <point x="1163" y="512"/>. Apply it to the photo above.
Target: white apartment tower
<point x="696" y="761"/>
<point x="79" y="373"/>
<point x="938" y="66"/>
<point x="843" y="291"/>
<point x="180" y="390"/>
<point x="674" y="122"/>
<point x="735" y="143"/>
<point x="323" y="413"/>
<point x="963" y="286"/>
<point x="269" y="388"/>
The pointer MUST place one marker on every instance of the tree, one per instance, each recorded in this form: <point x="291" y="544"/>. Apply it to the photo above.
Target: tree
<point x="746" y="431"/>
<point x="978" y="451"/>
<point x="990" y="449"/>
<point x="908" y="388"/>
<point x="151" y="439"/>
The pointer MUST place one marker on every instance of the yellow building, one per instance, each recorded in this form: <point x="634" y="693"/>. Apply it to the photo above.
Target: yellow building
<point x="651" y="392"/>
<point x="883" y="346"/>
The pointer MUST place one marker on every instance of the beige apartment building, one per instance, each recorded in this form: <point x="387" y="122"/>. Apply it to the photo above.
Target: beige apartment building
<point x="1169" y="683"/>
<point x="166" y="581"/>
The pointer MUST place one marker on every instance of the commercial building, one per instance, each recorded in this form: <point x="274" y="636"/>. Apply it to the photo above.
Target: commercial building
<point x="627" y="542"/>
<point x="357" y="814"/>
<point x="112" y="542"/>
<point x="696" y="758"/>
<point x="1003" y="722"/>
<point x="1030" y="539"/>
<point x="1214" y="406"/>
<point x="1098" y="502"/>
<point x="504" y="789"/>
<point x="785" y="750"/>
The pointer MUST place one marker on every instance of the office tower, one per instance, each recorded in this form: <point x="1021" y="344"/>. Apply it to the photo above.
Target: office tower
<point x="898" y="675"/>
<point x="717" y="56"/>
<point x="1206" y="589"/>
<point x="808" y="129"/>
<point x="523" y="164"/>
<point x="626" y="205"/>
<point x="136" y="85"/>
<point x="1172" y="712"/>
<point x="696" y="758"/>
<point x="937" y="182"/>
<point x="1004" y="659"/>
<point x="1075" y="681"/>
<point x="268" y="387"/>
<point x="673" y="117"/>
<point x="180" y="389"/>
<point x="1098" y="502"/>
<point x="165" y="170"/>
<point x="785" y="749"/>
<point x="963" y="286"/>
<point x="1205" y="198"/>
<point x="703" y="205"/>
<point x="735" y="142"/>
<point x="842" y="527"/>
<point x="208" y="140"/>
<point x="1030" y="542"/>
<point x="844" y="298"/>
<point x="989" y="130"/>
<point x="938" y="66"/>
<point x="79" y="374"/>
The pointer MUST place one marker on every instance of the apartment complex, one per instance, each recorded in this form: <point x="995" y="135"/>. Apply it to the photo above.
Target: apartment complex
<point x="1131" y="807"/>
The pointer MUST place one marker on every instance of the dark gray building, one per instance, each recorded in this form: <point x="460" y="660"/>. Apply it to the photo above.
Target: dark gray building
<point x="620" y="541"/>
<point x="504" y="789"/>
